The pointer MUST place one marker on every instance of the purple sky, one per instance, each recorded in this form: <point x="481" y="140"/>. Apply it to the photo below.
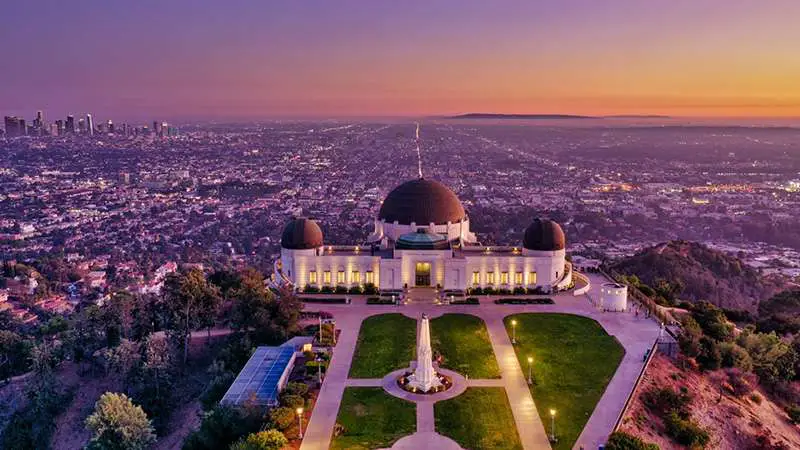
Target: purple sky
<point x="268" y="58"/>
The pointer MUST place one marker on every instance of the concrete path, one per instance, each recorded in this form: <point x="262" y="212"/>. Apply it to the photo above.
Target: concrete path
<point x="364" y="382"/>
<point x="323" y="418"/>
<point x="494" y="382"/>
<point x="428" y="440"/>
<point x="529" y="425"/>
<point x="425" y="419"/>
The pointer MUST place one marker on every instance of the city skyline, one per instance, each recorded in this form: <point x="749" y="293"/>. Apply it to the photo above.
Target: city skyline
<point x="246" y="60"/>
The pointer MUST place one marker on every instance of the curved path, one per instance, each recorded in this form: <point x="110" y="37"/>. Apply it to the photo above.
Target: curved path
<point x="636" y="334"/>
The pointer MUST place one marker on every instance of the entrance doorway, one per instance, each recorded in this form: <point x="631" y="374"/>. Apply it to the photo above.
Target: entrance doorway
<point x="423" y="274"/>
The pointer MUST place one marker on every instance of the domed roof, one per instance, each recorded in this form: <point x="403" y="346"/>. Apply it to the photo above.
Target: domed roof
<point x="545" y="235"/>
<point x="422" y="202"/>
<point x="301" y="234"/>
<point x="422" y="240"/>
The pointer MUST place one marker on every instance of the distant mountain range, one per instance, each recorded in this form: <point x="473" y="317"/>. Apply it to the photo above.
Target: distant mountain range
<point x="549" y="116"/>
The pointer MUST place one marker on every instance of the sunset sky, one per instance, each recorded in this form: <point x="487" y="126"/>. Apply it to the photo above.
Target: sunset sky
<point x="294" y="58"/>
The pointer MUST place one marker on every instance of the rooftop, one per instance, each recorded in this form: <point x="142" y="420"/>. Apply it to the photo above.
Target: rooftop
<point x="259" y="379"/>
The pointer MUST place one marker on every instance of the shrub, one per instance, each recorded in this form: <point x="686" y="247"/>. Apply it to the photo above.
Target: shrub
<point x="476" y="291"/>
<point x="355" y="290"/>
<point x="755" y="398"/>
<point x="216" y="389"/>
<point x="623" y="441"/>
<point x="326" y="290"/>
<point x="340" y="290"/>
<point x="735" y="356"/>
<point x="282" y="417"/>
<point x="263" y="440"/>
<point x="665" y="400"/>
<point x="685" y="431"/>
<point x="488" y="290"/>
<point x="742" y="383"/>
<point x="296" y="388"/>
<point x="309" y="289"/>
<point x="312" y="367"/>
<point x="519" y="290"/>
<point x="292" y="401"/>
<point x="709" y="357"/>
<point x="370" y="289"/>
<point x="503" y="291"/>
<point x="793" y="411"/>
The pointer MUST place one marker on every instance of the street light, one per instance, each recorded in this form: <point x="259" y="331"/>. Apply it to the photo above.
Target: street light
<point x="300" y="420"/>
<point x="513" y="331"/>
<point x="552" y="425"/>
<point x="530" y="369"/>
<point x="319" y="369"/>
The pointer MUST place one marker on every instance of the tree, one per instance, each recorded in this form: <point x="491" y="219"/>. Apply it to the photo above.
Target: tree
<point x="223" y="426"/>
<point x="263" y="440"/>
<point x="15" y="352"/>
<point x="186" y="298"/>
<point x="118" y="424"/>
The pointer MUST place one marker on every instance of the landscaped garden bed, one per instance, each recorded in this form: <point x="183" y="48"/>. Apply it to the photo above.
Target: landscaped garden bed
<point x="524" y="301"/>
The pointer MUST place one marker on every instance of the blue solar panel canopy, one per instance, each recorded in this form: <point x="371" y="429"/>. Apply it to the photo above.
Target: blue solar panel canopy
<point x="261" y="379"/>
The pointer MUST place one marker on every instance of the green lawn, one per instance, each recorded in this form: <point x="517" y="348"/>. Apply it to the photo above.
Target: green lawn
<point x="373" y="419"/>
<point x="385" y="343"/>
<point x="480" y="418"/>
<point x="574" y="359"/>
<point x="464" y="343"/>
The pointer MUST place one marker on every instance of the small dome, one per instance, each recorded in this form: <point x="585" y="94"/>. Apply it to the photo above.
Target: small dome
<point x="422" y="240"/>
<point x="544" y="235"/>
<point x="422" y="202"/>
<point x="301" y="234"/>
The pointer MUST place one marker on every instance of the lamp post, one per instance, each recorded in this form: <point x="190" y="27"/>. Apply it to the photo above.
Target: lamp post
<point x="530" y="370"/>
<point x="319" y="369"/>
<point x="513" y="331"/>
<point x="300" y="422"/>
<point x="552" y="425"/>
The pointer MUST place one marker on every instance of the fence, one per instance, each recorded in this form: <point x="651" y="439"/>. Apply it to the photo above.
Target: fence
<point x="632" y="395"/>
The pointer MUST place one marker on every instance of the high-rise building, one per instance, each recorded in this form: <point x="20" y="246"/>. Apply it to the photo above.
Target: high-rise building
<point x="15" y="126"/>
<point x="110" y="126"/>
<point x="156" y="128"/>
<point x="60" y="127"/>
<point x="70" y="126"/>
<point x="38" y="122"/>
<point x="54" y="130"/>
<point x="81" y="126"/>
<point x="90" y="124"/>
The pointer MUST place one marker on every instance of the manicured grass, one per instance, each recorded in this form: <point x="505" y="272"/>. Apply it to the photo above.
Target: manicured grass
<point x="480" y="418"/>
<point x="464" y="344"/>
<point x="373" y="419"/>
<point x="385" y="343"/>
<point x="574" y="359"/>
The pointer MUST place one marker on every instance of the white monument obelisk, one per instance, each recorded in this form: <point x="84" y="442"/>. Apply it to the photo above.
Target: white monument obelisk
<point x="424" y="377"/>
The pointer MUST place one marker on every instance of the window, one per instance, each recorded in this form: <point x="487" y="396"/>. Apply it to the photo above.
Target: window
<point x="312" y="277"/>
<point x="532" y="278"/>
<point x="356" y="278"/>
<point x="326" y="277"/>
<point x="370" y="277"/>
<point x="340" y="277"/>
<point x="489" y="277"/>
<point x="503" y="277"/>
<point x="476" y="278"/>
<point x="518" y="278"/>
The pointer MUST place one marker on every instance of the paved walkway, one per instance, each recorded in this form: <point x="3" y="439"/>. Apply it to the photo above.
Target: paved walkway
<point x="635" y="334"/>
<point x="427" y="440"/>
<point x="529" y="426"/>
<point x="323" y="418"/>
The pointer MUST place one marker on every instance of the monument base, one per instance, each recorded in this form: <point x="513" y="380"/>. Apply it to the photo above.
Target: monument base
<point x="440" y="383"/>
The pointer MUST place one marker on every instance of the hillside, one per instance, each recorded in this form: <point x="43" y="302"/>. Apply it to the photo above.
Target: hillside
<point x="749" y="422"/>
<point x="695" y="272"/>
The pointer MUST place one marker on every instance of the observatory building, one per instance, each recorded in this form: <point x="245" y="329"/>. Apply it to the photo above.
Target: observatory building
<point x="421" y="238"/>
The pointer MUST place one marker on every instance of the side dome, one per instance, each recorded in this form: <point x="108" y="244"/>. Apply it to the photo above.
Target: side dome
<point x="422" y="202"/>
<point x="544" y="235"/>
<point x="301" y="234"/>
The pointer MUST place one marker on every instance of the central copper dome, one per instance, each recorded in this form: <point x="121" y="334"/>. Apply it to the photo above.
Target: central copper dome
<point x="422" y="202"/>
